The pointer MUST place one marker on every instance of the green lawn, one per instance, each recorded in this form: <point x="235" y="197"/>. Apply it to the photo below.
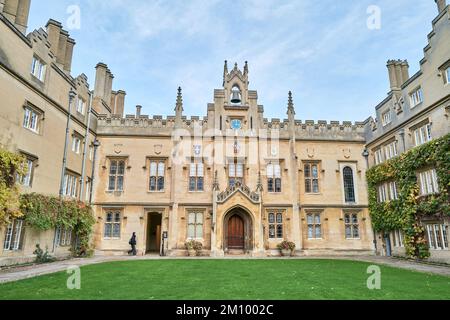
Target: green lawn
<point x="231" y="279"/>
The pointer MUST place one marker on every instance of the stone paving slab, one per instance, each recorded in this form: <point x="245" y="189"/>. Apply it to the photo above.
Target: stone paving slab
<point x="20" y="273"/>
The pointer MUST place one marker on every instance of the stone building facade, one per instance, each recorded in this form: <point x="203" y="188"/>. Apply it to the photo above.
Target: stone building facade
<point x="416" y="111"/>
<point x="232" y="179"/>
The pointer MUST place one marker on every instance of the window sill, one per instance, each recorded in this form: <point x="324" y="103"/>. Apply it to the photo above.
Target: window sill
<point x="36" y="78"/>
<point x="33" y="131"/>
<point x="415" y="106"/>
<point x="352" y="238"/>
<point x="312" y="239"/>
<point x="162" y="191"/>
<point x="313" y="193"/>
<point x="112" y="239"/>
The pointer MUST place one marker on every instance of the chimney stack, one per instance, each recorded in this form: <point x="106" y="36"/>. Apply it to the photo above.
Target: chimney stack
<point x="138" y="111"/>
<point x="17" y="12"/>
<point x="398" y="73"/>
<point x="441" y="4"/>
<point x="120" y="102"/>
<point x="61" y="45"/>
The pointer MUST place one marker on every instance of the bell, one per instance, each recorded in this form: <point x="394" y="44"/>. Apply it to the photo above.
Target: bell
<point x="236" y="97"/>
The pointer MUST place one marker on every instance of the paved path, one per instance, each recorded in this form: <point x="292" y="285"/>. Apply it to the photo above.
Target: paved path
<point x="20" y="273"/>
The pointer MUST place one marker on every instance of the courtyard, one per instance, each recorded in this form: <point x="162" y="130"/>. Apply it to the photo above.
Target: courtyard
<point x="233" y="279"/>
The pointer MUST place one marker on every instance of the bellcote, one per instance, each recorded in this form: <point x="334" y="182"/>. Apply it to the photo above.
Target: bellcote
<point x="235" y="84"/>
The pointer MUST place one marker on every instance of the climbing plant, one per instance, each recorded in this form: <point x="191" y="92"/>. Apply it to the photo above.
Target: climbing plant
<point x="46" y="212"/>
<point x="406" y="212"/>
<point x="11" y="165"/>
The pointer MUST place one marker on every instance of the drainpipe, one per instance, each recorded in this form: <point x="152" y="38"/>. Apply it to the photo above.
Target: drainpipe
<point x="96" y="144"/>
<point x="86" y="138"/>
<point x="72" y="95"/>
<point x="366" y="154"/>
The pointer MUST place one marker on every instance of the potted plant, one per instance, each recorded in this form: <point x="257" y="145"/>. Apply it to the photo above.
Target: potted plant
<point x="286" y="248"/>
<point x="194" y="248"/>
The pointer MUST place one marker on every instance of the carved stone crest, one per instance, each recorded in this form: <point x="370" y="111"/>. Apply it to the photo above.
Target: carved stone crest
<point x="157" y="148"/>
<point x="118" y="148"/>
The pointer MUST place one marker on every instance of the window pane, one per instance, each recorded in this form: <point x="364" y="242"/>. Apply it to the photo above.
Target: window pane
<point x="116" y="230"/>
<point x="161" y="167"/>
<point x="318" y="232"/>
<point x="160" y="183"/>
<point x="279" y="231"/>
<point x="348" y="231"/>
<point x="317" y="218"/>
<point x="315" y="184"/>
<point x="117" y="217"/>
<point x="239" y="170"/>
<point x="310" y="232"/>
<point x="279" y="218"/>
<point x="191" y="218"/>
<point x="270" y="186"/>
<point x="192" y="182"/>
<point x="120" y="183"/>
<point x="270" y="170"/>
<point x="308" y="186"/>
<point x="278" y="185"/>
<point x="152" y="183"/>
<point x="121" y="169"/>
<point x="315" y="171"/>
<point x="277" y="171"/>
<point x="193" y="170"/>
<point x="199" y="184"/>
<point x="108" y="230"/>
<point x="348" y="185"/>
<point x="200" y="170"/>
<point x="307" y="171"/>
<point x="310" y="219"/>
<point x="232" y="170"/>
<point x="355" y="231"/>
<point x="113" y="168"/>
<point x="153" y="167"/>
<point x="191" y="231"/>
<point x="271" y="231"/>
<point x="271" y="218"/>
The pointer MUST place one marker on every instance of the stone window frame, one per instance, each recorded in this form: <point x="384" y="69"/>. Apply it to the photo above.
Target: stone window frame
<point x="40" y="116"/>
<point x="158" y="161"/>
<point x="198" y="180"/>
<point x="311" y="178"/>
<point x="113" y="212"/>
<point x="42" y="74"/>
<point x="277" y="181"/>
<point x="14" y="236"/>
<point x="110" y="159"/>
<point x="351" y="214"/>
<point x="196" y="224"/>
<point x="276" y="224"/>
<point x="416" y="97"/>
<point x="313" y="214"/>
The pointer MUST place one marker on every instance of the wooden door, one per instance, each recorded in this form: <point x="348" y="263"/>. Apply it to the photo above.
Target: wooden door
<point x="236" y="233"/>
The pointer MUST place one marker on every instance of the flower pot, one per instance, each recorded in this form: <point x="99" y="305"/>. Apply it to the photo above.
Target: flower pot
<point x="192" y="253"/>
<point x="286" y="252"/>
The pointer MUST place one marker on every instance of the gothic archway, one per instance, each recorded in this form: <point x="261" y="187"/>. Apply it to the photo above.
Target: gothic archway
<point x="238" y="231"/>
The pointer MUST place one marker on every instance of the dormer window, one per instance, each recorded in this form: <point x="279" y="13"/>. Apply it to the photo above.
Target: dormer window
<point x="236" y="96"/>
<point x="416" y="97"/>
<point x="386" y="118"/>
<point x="38" y="69"/>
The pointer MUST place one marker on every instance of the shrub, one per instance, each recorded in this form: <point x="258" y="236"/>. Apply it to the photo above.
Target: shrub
<point x="194" y="245"/>
<point x="41" y="256"/>
<point x="286" y="245"/>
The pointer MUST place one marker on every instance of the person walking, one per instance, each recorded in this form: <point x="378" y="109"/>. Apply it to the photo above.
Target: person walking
<point x="133" y="243"/>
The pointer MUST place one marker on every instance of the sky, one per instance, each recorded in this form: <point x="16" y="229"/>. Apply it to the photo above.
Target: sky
<point x="323" y="51"/>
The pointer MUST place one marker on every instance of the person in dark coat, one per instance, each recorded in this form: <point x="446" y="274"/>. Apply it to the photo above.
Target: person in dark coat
<point x="133" y="242"/>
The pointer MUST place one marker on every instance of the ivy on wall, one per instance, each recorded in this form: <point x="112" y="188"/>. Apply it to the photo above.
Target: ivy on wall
<point x="405" y="214"/>
<point x="46" y="212"/>
<point x="39" y="211"/>
<point x="11" y="165"/>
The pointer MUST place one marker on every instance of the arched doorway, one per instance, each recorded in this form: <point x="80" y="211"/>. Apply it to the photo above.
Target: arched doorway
<point x="238" y="231"/>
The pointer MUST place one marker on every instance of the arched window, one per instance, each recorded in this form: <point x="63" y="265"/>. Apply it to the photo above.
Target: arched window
<point x="349" y="186"/>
